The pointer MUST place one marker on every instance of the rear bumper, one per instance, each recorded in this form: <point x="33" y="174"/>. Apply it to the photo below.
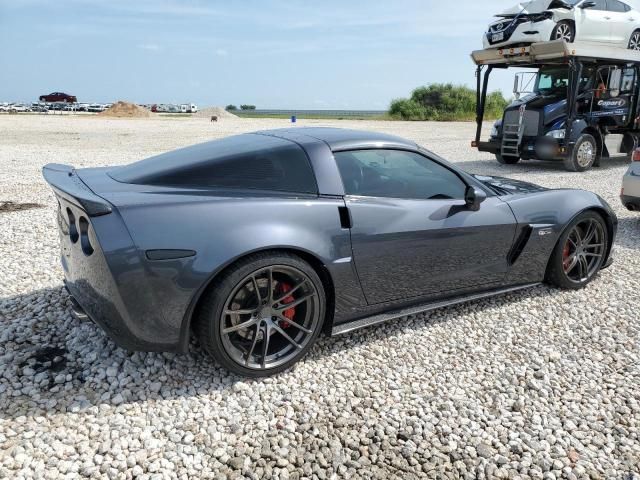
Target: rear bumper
<point x="108" y="281"/>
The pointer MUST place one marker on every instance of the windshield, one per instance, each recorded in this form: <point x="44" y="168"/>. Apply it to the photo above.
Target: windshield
<point x="552" y="80"/>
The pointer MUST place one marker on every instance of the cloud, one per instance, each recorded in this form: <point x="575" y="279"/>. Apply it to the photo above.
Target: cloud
<point x="151" y="47"/>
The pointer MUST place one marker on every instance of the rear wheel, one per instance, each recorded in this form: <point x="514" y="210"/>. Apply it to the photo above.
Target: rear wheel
<point x="564" y="30"/>
<point x="580" y="252"/>
<point x="263" y="315"/>
<point x="584" y="154"/>
<point x="634" y="41"/>
<point x="506" y="159"/>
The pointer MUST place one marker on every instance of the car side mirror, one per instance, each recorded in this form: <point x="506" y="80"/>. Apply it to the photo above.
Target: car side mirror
<point x="588" y="5"/>
<point x="473" y="197"/>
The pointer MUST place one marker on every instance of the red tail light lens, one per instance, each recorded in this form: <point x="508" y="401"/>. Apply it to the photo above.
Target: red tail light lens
<point x="636" y="155"/>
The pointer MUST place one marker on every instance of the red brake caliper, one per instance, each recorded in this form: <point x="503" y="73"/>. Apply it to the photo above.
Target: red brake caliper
<point x="565" y="255"/>
<point x="289" y="314"/>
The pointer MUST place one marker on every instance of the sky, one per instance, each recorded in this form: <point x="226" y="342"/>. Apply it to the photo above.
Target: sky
<point x="329" y="54"/>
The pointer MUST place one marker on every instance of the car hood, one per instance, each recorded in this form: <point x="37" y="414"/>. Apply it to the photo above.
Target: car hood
<point x="536" y="6"/>
<point x="507" y="186"/>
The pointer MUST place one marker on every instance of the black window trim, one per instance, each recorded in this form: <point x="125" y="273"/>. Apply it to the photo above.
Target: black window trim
<point x="465" y="179"/>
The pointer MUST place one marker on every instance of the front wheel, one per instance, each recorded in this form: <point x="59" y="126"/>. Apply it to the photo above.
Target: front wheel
<point x="564" y="30"/>
<point x="634" y="41"/>
<point x="584" y="154"/>
<point x="506" y="159"/>
<point x="263" y="315"/>
<point x="580" y="252"/>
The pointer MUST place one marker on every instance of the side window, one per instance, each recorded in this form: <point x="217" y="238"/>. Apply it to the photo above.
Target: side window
<point x="284" y="169"/>
<point x="244" y="161"/>
<point x="615" y="6"/>
<point x="628" y="80"/>
<point x="600" y="5"/>
<point x="397" y="174"/>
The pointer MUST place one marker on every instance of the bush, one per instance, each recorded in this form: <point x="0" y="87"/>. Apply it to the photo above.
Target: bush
<point x="247" y="107"/>
<point x="231" y="108"/>
<point x="445" y="102"/>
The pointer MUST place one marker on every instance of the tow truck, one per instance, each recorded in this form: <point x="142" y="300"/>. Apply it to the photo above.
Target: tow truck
<point x="574" y="102"/>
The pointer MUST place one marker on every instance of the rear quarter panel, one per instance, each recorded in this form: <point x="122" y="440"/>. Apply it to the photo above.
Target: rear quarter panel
<point x="223" y="229"/>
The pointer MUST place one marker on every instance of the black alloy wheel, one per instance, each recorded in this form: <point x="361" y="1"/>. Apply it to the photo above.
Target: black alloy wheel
<point x="263" y="316"/>
<point x="580" y="252"/>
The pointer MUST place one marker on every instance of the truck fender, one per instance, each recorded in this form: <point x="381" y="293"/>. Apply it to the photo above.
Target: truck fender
<point x="577" y="129"/>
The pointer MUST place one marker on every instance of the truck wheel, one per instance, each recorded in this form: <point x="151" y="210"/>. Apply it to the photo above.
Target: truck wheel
<point x="506" y="159"/>
<point x="584" y="154"/>
<point x="564" y="30"/>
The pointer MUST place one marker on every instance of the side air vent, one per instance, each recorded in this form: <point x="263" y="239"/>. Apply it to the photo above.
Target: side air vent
<point x="73" y="229"/>
<point x="84" y="236"/>
<point x="520" y="244"/>
<point x="345" y="218"/>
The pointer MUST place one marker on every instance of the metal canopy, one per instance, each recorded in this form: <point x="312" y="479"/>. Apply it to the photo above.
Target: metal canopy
<point x="557" y="51"/>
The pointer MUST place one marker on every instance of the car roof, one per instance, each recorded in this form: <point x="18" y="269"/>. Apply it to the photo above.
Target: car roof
<point x="342" y="138"/>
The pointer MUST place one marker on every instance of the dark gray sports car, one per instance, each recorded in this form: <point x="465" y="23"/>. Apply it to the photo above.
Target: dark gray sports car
<point x="257" y="243"/>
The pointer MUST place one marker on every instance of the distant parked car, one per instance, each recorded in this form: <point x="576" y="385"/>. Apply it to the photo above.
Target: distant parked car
<point x="630" y="194"/>
<point x="39" y="107"/>
<point x="59" y="97"/>
<point x="96" y="108"/>
<point x="19" y="107"/>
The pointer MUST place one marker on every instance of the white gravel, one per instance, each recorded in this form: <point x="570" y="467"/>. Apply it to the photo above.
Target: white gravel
<point x="542" y="384"/>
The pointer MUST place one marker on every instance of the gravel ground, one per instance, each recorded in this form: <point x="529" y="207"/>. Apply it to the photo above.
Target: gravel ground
<point x="541" y="384"/>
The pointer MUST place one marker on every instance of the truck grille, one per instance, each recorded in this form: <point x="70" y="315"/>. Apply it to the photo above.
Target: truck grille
<point x="530" y="122"/>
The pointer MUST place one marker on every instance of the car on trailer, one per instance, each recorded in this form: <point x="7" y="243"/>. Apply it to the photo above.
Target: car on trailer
<point x="576" y="103"/>
<point x="58" y="97"/>
<point x="611" y="22"/>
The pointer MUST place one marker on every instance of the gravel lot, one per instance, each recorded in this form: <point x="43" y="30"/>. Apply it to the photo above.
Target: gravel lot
<point x="541" y="384"/>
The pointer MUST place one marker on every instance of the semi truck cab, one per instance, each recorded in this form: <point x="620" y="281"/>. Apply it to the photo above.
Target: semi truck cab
<point x="576" y="105"/>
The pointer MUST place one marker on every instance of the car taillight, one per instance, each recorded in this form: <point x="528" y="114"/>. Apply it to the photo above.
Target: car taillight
<point x="636" y="155"/>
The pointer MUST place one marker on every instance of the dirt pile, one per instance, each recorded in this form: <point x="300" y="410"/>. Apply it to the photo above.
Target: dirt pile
<point x="214" y="112"/>
<point x="126" y="109"/>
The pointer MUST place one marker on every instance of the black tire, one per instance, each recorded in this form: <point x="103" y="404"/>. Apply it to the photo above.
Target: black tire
<point x="584" y="154"/>
<point x="227" y="347"/>
<point x="634" y="41"/>
<point x="562" y="256"/>
<point x="564" y="30"/>
<point x="506" y="159"/>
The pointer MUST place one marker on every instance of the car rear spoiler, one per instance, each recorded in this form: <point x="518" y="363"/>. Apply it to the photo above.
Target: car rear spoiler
<point x="66" y="183"/>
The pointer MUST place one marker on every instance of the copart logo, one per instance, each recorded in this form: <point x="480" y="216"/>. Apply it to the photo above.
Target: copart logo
<point x="617" y="103"/>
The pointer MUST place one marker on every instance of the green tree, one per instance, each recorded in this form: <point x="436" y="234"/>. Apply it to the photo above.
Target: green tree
<point x="445" y="102"/>
<point x="247" y="107"/>
<point x="231" y="108"/>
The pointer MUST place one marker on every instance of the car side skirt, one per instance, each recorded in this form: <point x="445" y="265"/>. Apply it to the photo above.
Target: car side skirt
<point x="394" y="315"/>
